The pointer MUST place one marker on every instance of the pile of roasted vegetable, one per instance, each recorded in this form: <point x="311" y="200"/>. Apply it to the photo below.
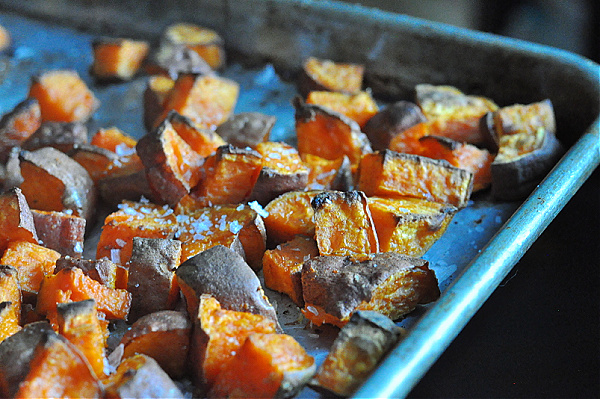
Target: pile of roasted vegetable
<point x="204" y="204"/>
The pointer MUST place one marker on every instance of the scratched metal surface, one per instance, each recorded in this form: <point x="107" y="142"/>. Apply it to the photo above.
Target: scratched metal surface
<point x="39" y="46"/>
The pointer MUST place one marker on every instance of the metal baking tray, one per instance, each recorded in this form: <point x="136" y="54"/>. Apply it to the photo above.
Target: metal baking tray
<point x="266" y="39"/>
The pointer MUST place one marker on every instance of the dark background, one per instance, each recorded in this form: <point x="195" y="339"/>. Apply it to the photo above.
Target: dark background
<point x="538" y="335"/>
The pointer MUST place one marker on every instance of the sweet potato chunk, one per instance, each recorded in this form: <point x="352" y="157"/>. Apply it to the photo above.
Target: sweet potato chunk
<point x="96" y="160"/>
<point x="282" y="266"/>
<point x="390" y="122"/>
<point x="155" y="93"/>
<point x="328" y="134"/>
<point x="288" y="215"/>
<point x="356" y="351"/>
<point x="164" y="336"/>
<point x="117" y="58"/>
<point x="10" y="289"/>
<point x="359" y="107"/>
<point x="102" y="270"/>
<point x="115" y="140"/>
<point x="246" y="129"/>
<point x="265" y="366"/>
<point x="392" y="284"/>
<point x="327" y="75"/>
<point x="391" y="174"/>
<point x="343" y="224"/>
<point x="32" y="262"/>
<point x="408" y="140"/>
<point x="325" y="174"/>
<point x="52" y="181"/>
<point x="409" y="226"/>
<point x="218" y="334"/>
<point x="60" y="231"/>
<point x="63" y="96"/>
<point x="9" y="319"/>
<point x="16" y="220"/>
<point x="17" y="125"/>
<point x="204" y="41"/>
<point x="203" y="141"/>
<point x="61" y="135"/>
<point x="130" y="185"/>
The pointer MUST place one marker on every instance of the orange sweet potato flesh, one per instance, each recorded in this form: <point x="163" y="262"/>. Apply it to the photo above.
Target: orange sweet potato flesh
<point x="60" y="231"/>
<point x="113" y="139"/>
<point x="343" y="224"/>
<point x="261" y="365"/>
<point x="16" y="220"/>
<point x="323" y="74"/>
<point x="155" y="93"/>
<point x="204" y="41"/>
<point x="408" y="140"/>
<point x="391" y="174"/>
<point x="359" y="107"/>
<point x="32" y="262"/>
<point x="203" y="141"/>
<point x="9" y="320"/>
<point x="94" y="159"/>
<point x="118" y="58"/>
<point x="102" y="270"/>
<point x="282" y="266"/>
<point x="10" y="290"/>
<point x="18" y="125"/>
<point x="63" y="96"/>
<point x="74" y="285"/>
<point x="288" y="215"/>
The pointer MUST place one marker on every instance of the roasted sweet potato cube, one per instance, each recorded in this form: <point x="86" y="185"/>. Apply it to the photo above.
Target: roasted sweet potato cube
<point x="356" y="351"/>
<point x="52" y="181"/>
<point x="343" y="224"/>
<point x="102" y="270"/>
<point x="391" y="174"/>
<point x="96" y="160"/>
<point x="117" y="58"/>
<point x="9" y="319"/>
<point x="327" y="75"/>
<point x="61" y="135"/>
<point x="140" y="376"/>
<point x="63" y="96"/>
<point x="223" y="274"/>
<point x="115" y="140"/>
<point x="130" y="185"/>
<point x="16" y="220"/>
<point x="133" y="219"/>
<point x="391" y="121"/>
<point x="453" y="114"/>
<point x="282" y="266"/>
<point x="71" y="285"/>
<point x="392" y="284"/>
<point x="282" y="171"/>
<point x="155" y="93"/>
<point x="5" y="39"/>
<point x="151" y="275"/>
<point x="288" y="215"/>
<point x="203" y="141"/>
<point x="409" y="226"/>
<point x="32" y="262"/>
<point x="229" y="176"/>
<point x="218" y="334"/>
<point x="17" y="125"/>
<point x="359" y="107"/>
<point x="58" y="370"/>
<point x="265" y="366"/>
<point x="206" y="42"/>
<point x="164" y="336"/>
<point x="246" y="129"/>
<point x="328" y="134"/>
<point x="208" y="100"/>
<point x="78" y="322"/>
<point x="325" y="174"/>
<point x="519" y="118"/>
<point x="462" y="155"/>
<point x="408" y="141"/>
<point x="60" y="231"/>
<point x="10" y="289"/>
<point x="174" y="60"/>
<point x="172" y="166"/>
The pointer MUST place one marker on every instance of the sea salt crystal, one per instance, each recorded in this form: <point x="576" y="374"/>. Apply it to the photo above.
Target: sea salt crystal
<point x="258" y="209"/>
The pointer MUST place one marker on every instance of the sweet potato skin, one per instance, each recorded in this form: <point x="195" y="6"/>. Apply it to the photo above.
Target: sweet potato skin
<point x="60" y="231"/>
<point x="18" y="125"/>
<point x="16" y="219"/>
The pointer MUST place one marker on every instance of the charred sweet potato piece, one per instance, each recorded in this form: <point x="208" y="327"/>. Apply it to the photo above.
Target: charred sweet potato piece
<point x="218" y="334"/>
<point x="151" y="278"/>
<point x="391" y="174"/>
<point x="282" y="266"/>
<point x="32" y="262"/>
<point x="164" y="336"/>
<point x="10" y="289"/>
<point x="133" y="219"/>
<point x="453" y="114"/>
<point x="343" y="224"/>
<point x="408" y="140"/>
<point x="356" y="351"/>
<point x="229" y="176"/>
<point x="203" y="141"/>
<point x="78" y="322"/>
<point x="462" y="155"/>
<point x="391" y="121"/>
<point x="523" y="118"/>
<point x="117" y="58"/>
<point x="327" y="75"/>
<point x="392" y="284"/>
<point x="9" y="320"/>
<point x="359" y="107"/>
<point x="282" y="171"/>
<point x="223" y="274"/>
<point x="58" y="370"/>
<point x="17" y="125"/>
<point x="208" y="100"/>
<point x="61" y="135"/>
<point x="96" y="160"/>
<point x="174" y="60"/>
<point x="409" y="226"/>
<point x="265" y="366"/>
<point x="63" y="96"/>
<point x="102" y="270"/>
<point x="288" y="215"/>
<point x="60" y="231"/>
<point x="115" y="140"/>
<point x="172" y="166"/>
<point x="16" y="220"/>
<point x="74" y="285"/>
<point x="325" y="174"/>
<point x="52" y="181"/>
<point x="328" y="134"/>
<point x="155" y="93"/>
<point x="140" y="376"/>
<point x="206" y="42"/>
<point x="246" y="129"/>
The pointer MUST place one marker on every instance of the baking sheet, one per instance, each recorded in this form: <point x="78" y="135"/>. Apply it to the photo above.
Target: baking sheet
<point x="462" y="251"/>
